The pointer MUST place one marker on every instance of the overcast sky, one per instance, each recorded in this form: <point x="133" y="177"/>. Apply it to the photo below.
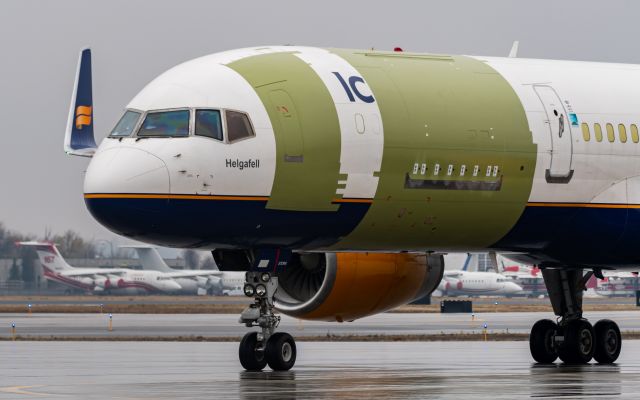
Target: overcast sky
<point x="134" y="41"/>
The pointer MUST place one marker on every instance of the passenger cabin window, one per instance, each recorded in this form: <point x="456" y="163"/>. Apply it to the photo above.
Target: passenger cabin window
<point x="209" y="124"/>
<point x="634" y="133"/>
<point x="166" y="124"/>
<point x="611" y="136"/>
<point x="598" y="131"/>
<point x="622" y="133"/>
<point x="126" y="125"/>
<point x="238" y="126"/>
<point x="586" y="135"/>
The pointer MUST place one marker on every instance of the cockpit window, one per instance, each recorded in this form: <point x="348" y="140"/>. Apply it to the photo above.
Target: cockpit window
<point x="238" y="126"/>
<point x="166" y="123"/>
<point x="209" y="123"/>
<point x="127" y="123"/>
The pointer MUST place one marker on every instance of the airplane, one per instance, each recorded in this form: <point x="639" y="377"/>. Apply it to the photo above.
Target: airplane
<point x="618" y="284"/>
<point x="528" y="277"/>
<point x="99" y="280"/>
<point x="337" y="179"/>
<point x="476" y="283"/>
<point x="199" y="281"/>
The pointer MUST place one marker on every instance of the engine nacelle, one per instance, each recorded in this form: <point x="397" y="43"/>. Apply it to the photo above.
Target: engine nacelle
<point x="101" y="283"/>
<point x="86" y="281"/>
<point x="347" y="286"/>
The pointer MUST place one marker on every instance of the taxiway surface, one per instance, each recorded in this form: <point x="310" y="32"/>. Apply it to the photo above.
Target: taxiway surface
<point x="226" y="325"/>
<point x="420" y="370"/>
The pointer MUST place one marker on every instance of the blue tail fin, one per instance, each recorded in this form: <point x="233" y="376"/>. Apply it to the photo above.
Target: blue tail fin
<point x="79" y="138"/>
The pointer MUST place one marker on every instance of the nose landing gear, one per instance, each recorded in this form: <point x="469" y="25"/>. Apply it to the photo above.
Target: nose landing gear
<point x="257" y="349"/>
<point x="573" y="339"/>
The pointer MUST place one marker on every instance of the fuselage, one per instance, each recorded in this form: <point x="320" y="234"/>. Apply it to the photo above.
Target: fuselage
<point x="339" y="150"/>
<point x="99" y="281"/>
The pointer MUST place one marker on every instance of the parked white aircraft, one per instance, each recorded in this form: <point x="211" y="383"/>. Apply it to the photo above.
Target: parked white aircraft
<point x="470" y="281"/>
<point x="617" y="284"/>
<point x="100" y="280"/>
<point x="528" y="277"/>
<point x="192" y="281"/>
<point x="465" y="283"/>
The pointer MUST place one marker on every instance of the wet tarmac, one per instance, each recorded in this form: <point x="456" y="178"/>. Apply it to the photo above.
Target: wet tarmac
<point x="419" y="370"/>
<point x="226" y="325"/>
<point x="165" y="300"/>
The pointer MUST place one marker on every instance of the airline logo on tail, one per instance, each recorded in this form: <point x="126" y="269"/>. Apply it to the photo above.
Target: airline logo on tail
<point x="83" y="116"/>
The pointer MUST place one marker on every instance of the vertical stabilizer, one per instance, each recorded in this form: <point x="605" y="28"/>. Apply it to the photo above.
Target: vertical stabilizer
<point x="79" y="139"/>
<point x="49" y="256"/>
<point x="150" y="258"/>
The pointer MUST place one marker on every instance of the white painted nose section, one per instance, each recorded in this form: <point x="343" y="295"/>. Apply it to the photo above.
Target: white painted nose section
<point x="126" y="170"/>
<point x="170" y="286"/>
<point x="513" y="288"/>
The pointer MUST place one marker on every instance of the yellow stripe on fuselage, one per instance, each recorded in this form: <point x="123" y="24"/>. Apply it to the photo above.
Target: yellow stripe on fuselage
<point x="197" y="197"/>
<point x="584" y="205"/>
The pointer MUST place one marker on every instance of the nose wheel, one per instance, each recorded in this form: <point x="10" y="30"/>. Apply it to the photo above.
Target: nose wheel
<point x="257" y="349"/>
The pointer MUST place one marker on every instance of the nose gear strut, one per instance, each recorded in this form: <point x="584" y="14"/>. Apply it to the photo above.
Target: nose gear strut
<point x="257" y="349"/>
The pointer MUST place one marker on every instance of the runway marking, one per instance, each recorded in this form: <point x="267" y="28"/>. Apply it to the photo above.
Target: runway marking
<point x="21" y="390"/>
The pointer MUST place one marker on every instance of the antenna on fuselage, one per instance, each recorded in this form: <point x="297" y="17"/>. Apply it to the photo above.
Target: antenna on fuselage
<point x="514" y="49"/>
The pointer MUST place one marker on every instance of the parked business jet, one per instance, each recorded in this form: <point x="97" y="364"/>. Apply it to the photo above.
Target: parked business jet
<point x="192" y="281"/>
<point x="338" y="178"/>
<point x="99" y="280"/>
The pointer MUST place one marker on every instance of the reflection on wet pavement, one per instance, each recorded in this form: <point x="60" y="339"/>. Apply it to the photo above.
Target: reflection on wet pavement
<point x="445" y="370"/>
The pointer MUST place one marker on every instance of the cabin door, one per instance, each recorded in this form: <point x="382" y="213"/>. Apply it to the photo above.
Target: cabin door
<point x="557" y="121"/>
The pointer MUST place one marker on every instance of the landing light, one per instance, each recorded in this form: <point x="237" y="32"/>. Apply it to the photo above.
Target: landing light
<point x="261" y="290"/>
<point x="248" y="290"/>
<point x="265" y="277"/>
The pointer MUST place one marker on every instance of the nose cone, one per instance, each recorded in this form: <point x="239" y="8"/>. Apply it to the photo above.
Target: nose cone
<point x="171" y="286"/>
<point x="121" y="187"/>
<point x="513" y="288"/>
<point x="126" y="170"/>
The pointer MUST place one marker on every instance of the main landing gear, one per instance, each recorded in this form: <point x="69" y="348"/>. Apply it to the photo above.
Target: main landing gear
<point x="572" y="339"/>
<point x="257" y="349"/>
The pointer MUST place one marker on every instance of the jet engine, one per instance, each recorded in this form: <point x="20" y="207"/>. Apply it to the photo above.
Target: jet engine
<point x="101" y="283"/>
<point x="347" y="286"/>
<point x="86" y="281"/>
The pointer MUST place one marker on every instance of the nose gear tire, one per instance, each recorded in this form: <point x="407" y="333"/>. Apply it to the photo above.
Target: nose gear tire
<point x="251" y="358"/>
<point x="281" y="351"/>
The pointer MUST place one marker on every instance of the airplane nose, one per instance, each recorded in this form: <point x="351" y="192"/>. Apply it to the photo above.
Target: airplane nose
<point x="126" y="170"/>
<point x="172" y="286"/>
<point x="514" y="287"/>
<point x="121" y="187"/>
